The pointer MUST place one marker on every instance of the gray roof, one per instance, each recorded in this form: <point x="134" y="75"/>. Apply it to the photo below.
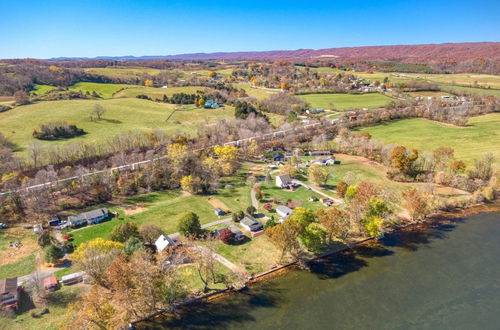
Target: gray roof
<point x="284" y="209"/>
<point x="94" y="214"/>
<point x="285" y="178"/>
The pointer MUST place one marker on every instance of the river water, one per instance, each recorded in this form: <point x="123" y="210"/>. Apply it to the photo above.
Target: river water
<point x="445" y="277"/>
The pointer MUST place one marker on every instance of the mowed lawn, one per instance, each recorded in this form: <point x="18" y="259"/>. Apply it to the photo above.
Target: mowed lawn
<point x="121" y="115"/>
<point x="163" y="209"/>
<point x="482" y="135"/>
<point x="346" y="101"/>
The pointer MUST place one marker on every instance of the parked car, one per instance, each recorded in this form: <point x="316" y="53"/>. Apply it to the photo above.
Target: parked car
<point x="3" y="225"/>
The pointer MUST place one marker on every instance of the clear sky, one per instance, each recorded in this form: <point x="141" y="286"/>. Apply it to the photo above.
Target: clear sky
<point x="88" y="28"/>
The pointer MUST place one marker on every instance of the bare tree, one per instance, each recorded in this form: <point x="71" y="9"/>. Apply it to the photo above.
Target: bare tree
<point x="98" y="111"/>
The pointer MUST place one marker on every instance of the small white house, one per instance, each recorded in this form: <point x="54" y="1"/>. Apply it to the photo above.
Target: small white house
<point x="283" y="211"/>
<point x="283" y="181"/>
<point x="162" y="242"/>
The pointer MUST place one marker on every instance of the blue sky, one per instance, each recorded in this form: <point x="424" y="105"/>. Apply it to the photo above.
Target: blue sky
<point x="88" y="28"/>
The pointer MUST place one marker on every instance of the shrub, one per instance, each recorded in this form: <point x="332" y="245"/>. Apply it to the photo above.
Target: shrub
<point x="124" y="231"/>
<point x="57" y="130"/>
<point x="226" y="236"/>
<point x="189" y="224"/>
<point x="251" y="210"/>
<point x="268" y="207"/>
<point x="53" y="253"/>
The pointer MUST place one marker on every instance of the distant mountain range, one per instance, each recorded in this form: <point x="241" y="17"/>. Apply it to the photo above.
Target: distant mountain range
<point x="451" y="51"/>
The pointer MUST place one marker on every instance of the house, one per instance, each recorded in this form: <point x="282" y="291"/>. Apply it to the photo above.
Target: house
<point x="278" y="157"/>
<point x="219" y="212"/>
<point x="320" y="153"/>
<point x="72" y="278"/>
<point x="9" y="293"/>
<point x="353" y="118"/>
<point x="162" y="242"/>
<point x="283" y="181"/>
<point x="283" y="211"/>
<point x="90" y="217"/>
<point x="211" y="104"/>
<point x="251" y="224"/>
<point x="314" y="111"/>
<point x="288" y="154"/>
<point x="51" y="284"/>
<point x="237" y="234"/>
<point x="54" y="221"/>
<point x="324" y="161"/>
<point x="326" y="201"/>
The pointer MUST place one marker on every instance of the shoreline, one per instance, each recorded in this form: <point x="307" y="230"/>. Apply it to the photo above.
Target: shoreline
<point x="438" y="218"/>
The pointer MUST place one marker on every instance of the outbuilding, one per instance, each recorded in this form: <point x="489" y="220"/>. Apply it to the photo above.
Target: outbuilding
<point x="9" y="293"/>
<point x="283" y="211"/>
<point x="51" y="284"/>
<point x="163" y="242"/>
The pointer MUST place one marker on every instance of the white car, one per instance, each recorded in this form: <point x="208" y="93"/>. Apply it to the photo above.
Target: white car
<point x="3" y="225"/>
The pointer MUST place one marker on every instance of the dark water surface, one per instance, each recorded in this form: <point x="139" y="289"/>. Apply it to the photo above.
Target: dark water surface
<point x="447" y="277"/>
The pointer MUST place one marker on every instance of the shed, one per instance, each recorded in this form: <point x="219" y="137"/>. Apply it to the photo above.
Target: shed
<point x="72" y="278"/>
<point x="283" y="211"/>
<point x="51" y="284"/>
<point x="219" y="212"/>
<point x="9" y="294"/>
<point x="251" y="224"/>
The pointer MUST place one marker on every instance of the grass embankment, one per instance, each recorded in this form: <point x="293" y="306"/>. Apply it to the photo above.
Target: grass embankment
<point x="346" y="101"/>
<point x="481" y="135"/>
<point x="42" y="89"/>
<point x="121" y="115"/>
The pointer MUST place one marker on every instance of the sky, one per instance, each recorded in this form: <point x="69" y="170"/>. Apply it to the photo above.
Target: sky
<point x="89" y="28"/>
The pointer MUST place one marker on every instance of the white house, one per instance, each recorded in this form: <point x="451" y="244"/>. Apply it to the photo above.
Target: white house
<point x="162" y="242"/>
<point x="283" y="181"/>
<point x="283" y="211"/>
<point x="324" y="161"/>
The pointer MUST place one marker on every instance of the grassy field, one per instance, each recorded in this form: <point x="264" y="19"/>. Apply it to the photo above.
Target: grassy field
<point x="121" y="115"/>
<point x="23" y="266"/>
<point x="471" y="90"/>
<point x="157" y="92"/>
<point x="104" y="90"/>
<point x="346" y="101"/>
<point x="42" y="89"/>
<point x="258" y="93"/>
<point x="123" y="71"/>
<point x="483" y="80"/>
<point x="482" y="135"/>
<point x="300" y="197"/>
<point x="428" y="93"/>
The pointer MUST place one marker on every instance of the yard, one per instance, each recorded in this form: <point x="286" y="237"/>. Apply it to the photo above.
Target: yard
<point x="482" y="135"/>
<point x="346" y="101"/>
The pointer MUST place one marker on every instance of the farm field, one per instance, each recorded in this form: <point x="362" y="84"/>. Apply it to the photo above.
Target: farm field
<point x="42" y="89"/>
<point x="471" y="90"/>
<point x="106" y="91"/>
<point x="482" y="135"/>
<point x="154" y="93"/>
<point x="428" y="93"/>
<point x="123" y="71"/>
<point x="483" y="80"/>
<point x="345" y="101"/>
<point x="121" y="115"/>
<point x="258" y="93"/>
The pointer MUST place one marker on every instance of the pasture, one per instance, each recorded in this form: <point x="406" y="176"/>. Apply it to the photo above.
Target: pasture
<point x="481" y="135"/>
<point x="155" y="93"/>
<point x="42" y="89"/>
<point x="121" y="115"/>
<point x="123" y="72"/>
<point x="258" y="93"/>
<point x="105" y="91"/>
<point x="346" y="101"/>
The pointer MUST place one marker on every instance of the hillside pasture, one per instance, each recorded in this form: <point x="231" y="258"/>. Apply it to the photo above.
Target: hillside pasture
<point x="258" y="93"/>
<point x="105" y="91"/>
<point x="481" y="135"/>
<point x="157" y="93"/>
<point x="124" y="72"/>
<point x="346" y="101"/>
<point x="42" y="89"/>
<point x="121" y="115"/>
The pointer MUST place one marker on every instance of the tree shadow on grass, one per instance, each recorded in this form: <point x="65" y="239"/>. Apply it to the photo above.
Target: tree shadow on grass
<point x="62" y="298"/>
<point x="112" y="121"/>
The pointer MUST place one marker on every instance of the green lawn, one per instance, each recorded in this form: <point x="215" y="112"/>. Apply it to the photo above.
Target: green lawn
<point x="300" y="197"/>
<point x="160" y="208"/>
<point x="346" y="101"/>
<point x="237" y="196"/>
<point x="121" y="115"/>
<point x="104" y="90"/>
<point x="157" y="92"/>
<point x="42" y="89"/>
<point x="482" y="135"/>
<point x="23" y="266"/>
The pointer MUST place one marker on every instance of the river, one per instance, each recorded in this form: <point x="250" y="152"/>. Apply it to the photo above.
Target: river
<point x="444" y="277"/>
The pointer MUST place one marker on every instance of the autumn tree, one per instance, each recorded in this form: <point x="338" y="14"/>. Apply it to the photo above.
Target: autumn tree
<point x="188" y="184"/>
<point x="457" y="166"/>
<point x="417" y="204"/>
<point x="203" y="259"/>
<point x="124" y="231"/>
<point x="226" y="236"/>
<point x="288" y="170"/>
<point x="443" y="157"/>
<point x="341" y="188"/>
<point x="189" y="224"/>
<point x="150" y="232"/>
<point x="98" y="111"/>
<point x="95" y="256"/>
<point x="402" y="160"/>
<point x="284" y="237"/>
<point x="318" y="174"/>
<point x="258" y="193"/>
<point x="228" y="156"/>
<point x="21" y="97"/>
<point x="336" y="223"/>
<point x="148" y="83"/>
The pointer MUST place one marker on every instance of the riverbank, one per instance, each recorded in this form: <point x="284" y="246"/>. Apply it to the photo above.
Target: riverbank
<point x="409" y="233"/>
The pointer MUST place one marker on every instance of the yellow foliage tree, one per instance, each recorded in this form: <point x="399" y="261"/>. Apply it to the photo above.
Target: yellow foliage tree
<point x="175" y="152"/>
<point x="288" y="169"/>
<point x="148" y="83"/>
<point x="99" y="244"/>
<point x="188" y="184"/>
